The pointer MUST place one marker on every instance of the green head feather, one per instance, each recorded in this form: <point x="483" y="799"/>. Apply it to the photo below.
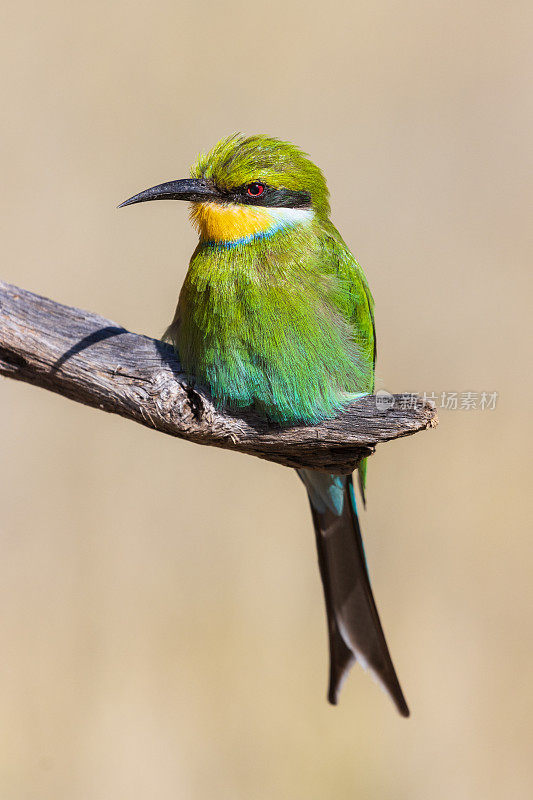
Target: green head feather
<point x="238" y="160"/>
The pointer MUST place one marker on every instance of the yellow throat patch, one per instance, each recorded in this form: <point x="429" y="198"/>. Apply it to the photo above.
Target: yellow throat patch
<point x="226" y="222"/>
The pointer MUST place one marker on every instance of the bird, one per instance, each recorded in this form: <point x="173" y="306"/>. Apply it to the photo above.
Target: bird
<point x="276" y="315"/>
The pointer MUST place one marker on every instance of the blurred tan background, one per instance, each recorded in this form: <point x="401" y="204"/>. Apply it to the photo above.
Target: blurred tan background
<point x="162" y="623"/>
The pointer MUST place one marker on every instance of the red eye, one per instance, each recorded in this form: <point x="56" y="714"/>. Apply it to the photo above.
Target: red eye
<point x="255" y="189"/>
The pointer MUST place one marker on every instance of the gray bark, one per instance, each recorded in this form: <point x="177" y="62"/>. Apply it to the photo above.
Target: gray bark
<point x="91" y="360"/>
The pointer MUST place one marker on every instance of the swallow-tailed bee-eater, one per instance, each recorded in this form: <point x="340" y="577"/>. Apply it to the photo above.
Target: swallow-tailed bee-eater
<point x="276" y="315"/>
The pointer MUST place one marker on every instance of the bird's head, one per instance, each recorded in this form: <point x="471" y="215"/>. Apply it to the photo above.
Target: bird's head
<point x="247" y="187"/>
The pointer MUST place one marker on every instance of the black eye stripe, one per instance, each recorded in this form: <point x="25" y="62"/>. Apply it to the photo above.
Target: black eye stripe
<point x="277" y="198"/>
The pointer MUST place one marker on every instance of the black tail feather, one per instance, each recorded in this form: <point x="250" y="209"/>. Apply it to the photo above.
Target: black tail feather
<point x="354" y="628"/>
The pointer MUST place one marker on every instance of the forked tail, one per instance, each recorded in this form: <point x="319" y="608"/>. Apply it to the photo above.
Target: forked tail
<point x="355" y="632"/>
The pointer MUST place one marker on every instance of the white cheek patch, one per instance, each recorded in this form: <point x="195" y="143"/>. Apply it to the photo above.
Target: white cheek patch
<point x="286" y="217"/>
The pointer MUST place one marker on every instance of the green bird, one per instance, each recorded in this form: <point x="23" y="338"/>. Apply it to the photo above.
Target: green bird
<point x="275" y="314"/>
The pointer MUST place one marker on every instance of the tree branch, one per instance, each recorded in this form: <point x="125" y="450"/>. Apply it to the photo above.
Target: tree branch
<point x="96" y="362"/>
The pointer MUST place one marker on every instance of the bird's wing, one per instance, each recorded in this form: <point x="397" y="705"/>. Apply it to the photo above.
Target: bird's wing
<point x="359" y="310"/>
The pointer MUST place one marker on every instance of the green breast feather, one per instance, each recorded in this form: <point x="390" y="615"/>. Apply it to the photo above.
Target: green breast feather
<point x="283" y="324"/>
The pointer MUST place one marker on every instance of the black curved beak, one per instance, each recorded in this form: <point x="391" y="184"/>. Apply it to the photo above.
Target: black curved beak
<point x="192" y="189"/>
